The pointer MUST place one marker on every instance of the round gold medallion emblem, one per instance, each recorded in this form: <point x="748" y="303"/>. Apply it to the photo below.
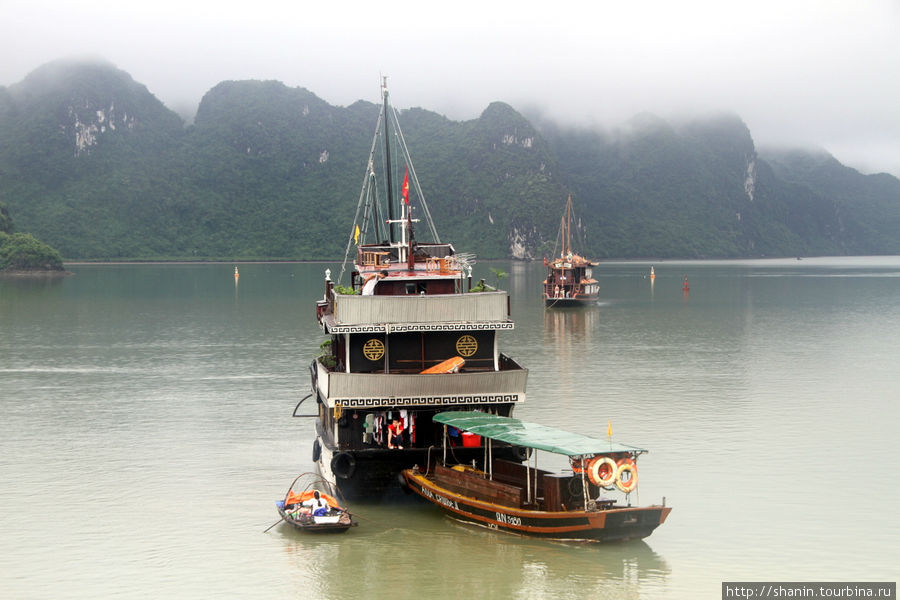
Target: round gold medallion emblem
<point x="373" y="349"/>
<point x="466" y="346"/>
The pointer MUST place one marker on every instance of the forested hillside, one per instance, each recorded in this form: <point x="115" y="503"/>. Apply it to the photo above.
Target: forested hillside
<point x="93" y="164"/>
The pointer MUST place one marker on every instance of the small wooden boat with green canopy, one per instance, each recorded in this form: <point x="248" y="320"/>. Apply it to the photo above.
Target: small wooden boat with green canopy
<point x="521" y="498"/>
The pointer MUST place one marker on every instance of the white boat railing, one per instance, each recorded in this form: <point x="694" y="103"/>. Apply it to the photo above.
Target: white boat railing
<point x="388" y="389"/>
<point x="477" y="307"/>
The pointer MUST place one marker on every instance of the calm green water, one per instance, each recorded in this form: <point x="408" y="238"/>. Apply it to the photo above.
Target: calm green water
<point x="147" y="430"/>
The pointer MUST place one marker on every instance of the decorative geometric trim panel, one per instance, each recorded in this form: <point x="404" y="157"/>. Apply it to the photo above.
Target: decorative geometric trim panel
<point x="410" y="327"/>
<point x="426" y="401"/>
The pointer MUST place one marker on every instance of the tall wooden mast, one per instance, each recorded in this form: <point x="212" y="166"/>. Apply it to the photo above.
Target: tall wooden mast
<point x="387" y="159"/>
<point x="566" y="228"/>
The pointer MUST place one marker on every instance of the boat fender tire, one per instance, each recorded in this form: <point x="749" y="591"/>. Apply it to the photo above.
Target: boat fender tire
<point x="522" y="453"/>
<point x="317" y="451"/>
<point x="604" y="477"/>
<point x="576" y="489"/>
<point x="343" y="465"/>
<point x="626" y="465"/>
<point x="404" y="485"/>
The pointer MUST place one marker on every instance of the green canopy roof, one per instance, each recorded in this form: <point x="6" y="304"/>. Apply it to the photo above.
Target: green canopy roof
<point x="530" y="435"/>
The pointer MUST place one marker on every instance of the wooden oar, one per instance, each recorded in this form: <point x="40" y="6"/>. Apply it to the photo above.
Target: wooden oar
<point x="273" y="525"/>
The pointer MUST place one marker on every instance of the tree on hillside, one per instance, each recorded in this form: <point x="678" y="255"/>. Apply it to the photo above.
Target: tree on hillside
<point x="22" y="252"/>
<point x="6" y="224"/>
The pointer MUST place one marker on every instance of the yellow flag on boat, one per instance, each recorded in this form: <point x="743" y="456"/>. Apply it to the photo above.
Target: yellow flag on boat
<point x="609" y="429"/>
<point x="356" y="235"/>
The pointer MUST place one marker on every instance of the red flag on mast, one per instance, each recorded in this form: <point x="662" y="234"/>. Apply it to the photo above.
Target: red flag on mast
<point x="404" y="191"/>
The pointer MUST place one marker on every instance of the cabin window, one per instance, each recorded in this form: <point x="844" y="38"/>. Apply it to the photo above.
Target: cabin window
<point x="411" y="353"/>
<point x="374" y="428"/>
<point x="414" y="287"/>
<point x="369" y="428"/>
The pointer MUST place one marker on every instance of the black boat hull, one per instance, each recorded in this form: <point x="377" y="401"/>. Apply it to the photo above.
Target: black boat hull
<point x="375" y="474"/>
<point x="550" y="302"/>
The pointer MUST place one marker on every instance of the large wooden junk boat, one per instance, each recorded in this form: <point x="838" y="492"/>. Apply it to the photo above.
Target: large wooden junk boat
<point x="407" y="338"/>
<point x="520" y="498"/>
<point x="569" y="279"/>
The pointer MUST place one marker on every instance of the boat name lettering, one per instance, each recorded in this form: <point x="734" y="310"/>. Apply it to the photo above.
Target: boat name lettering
<point x="509" y="519"/>
<point x="440" y="499"/>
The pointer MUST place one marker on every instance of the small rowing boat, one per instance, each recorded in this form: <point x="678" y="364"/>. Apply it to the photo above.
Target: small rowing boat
<point x="311" y="505"/>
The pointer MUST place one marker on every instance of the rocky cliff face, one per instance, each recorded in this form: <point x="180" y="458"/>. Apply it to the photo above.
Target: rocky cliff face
<point x="97" y="122"/>
<point x="80" y="104"/>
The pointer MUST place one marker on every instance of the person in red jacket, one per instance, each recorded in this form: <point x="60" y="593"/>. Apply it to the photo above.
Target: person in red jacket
<point x="395" y="434"/>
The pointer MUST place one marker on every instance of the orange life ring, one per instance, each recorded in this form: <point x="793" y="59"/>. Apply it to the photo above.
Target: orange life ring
<point x="602" y="471"/>
<point x="626" y="465"/>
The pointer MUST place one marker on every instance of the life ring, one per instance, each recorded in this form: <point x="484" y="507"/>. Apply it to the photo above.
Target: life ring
<point x="602" y="471"/>
<point x="343" y="465"/>
<point x="317" y="451"/>
<point x="626" y="465"/>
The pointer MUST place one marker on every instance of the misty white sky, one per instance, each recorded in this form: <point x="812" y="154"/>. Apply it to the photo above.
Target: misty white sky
<point x="811" y="73"/>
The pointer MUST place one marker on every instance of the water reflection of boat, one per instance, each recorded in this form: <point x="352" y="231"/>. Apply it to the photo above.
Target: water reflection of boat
<point x="482" y="564"/>
<point x="561" y="324"/>
<point x="569" y="281"/>
<point x="409" y="307"/>
<point x="522" y="499"/>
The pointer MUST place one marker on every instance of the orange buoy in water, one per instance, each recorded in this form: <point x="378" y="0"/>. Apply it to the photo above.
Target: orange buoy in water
<point x="236" y="274"/>
<point x="686" y="287"/>
<point x="652" y="274"/>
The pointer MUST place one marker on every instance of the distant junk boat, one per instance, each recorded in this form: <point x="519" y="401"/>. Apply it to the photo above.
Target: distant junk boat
<point x="570" y="280"/>
<point x="408" y="338"/>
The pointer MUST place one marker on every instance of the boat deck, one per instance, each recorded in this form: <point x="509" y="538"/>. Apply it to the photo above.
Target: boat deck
<point x="552" y="492"/>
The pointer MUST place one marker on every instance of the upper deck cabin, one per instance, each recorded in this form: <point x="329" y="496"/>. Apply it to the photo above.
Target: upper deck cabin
<point x="406" y="316"/>
<point x="571" y="269"/>
<point x="418" y="288"/>
<point x="397" y="270"/>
